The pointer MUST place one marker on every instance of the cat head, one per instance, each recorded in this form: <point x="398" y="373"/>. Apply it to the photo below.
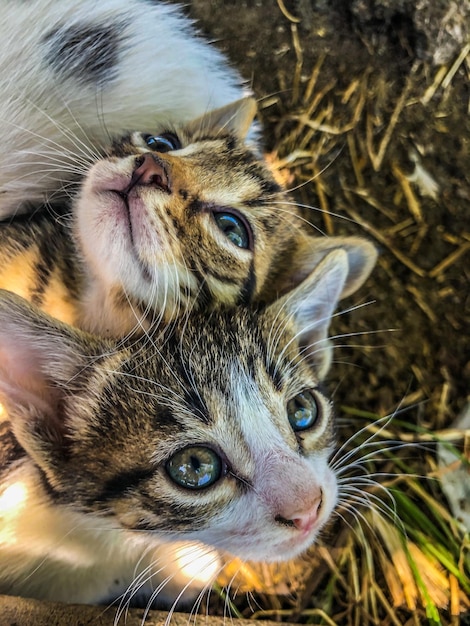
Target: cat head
<point x="190" y="216"/>
<point x="215" y="429"/>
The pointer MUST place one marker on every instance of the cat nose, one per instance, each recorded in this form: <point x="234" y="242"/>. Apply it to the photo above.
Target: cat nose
<point x="302" y="520"/>
<point x="306" y="521"/>
<point x="150" y="170"/>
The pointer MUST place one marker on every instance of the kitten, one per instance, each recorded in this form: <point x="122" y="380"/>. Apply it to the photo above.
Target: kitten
<point x="165" y="222"/>
<point x="74" y="73"/>
<point x="184" y="214"/>
<point x="216" y="430"/>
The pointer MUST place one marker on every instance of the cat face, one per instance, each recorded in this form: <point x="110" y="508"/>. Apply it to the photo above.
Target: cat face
<point x="216" y="430"/>
<point x="166" y="223"/>
<point x="185" y="217"/>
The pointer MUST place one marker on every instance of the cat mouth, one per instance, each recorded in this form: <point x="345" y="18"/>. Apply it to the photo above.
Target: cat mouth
<point x="125" y="199"/>
<point x="149" y="172"/>
<point x="134" y="247"/>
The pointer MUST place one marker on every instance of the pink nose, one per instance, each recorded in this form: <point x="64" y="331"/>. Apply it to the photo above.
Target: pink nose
<point x="306" y="521"/>
<point x="149" y="170"/>
<point x="303" y="520"/>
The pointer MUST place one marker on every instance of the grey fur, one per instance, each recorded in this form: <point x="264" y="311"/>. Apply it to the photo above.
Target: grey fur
<point x="84" y="53"/>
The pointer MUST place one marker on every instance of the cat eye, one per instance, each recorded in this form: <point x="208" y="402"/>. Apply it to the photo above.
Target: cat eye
<point x="195" y="467"/>
<point x="163" y="143"/>
<point x="234" y="228"/>
<point x="303" y="411"/>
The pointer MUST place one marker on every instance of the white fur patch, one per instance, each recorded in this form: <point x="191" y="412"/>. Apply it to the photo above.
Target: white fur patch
<point x="51" y="126"/>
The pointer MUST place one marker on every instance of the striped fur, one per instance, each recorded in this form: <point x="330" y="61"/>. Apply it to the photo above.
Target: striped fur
<point x="134" y="248"/>
<point x="86" y="493"/>
<point x="128" y="235"/>
<point x="121" y="246"/>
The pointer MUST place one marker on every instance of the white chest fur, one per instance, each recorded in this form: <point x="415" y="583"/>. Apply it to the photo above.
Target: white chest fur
<point x="52" y="552"/>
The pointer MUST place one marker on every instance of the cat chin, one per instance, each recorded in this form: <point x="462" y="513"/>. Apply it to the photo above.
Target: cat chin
<point x="280" y="550"/>
<point x="123" y="246"/>
<point x="261" y="547"/>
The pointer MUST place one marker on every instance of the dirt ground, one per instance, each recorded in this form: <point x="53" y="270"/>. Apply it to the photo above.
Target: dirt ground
<point x="366" y="103"/>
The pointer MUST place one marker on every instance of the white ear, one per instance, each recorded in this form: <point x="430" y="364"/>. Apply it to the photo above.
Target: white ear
<point x="312" y="303"/>
<point x="236" y="117"/>
<point x="39" y="358"/>
<point x="307" y="252"/>
<point x="362" y="256"/>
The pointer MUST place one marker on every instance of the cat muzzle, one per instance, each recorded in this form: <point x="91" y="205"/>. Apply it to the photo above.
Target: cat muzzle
<point x="151" y="171"/>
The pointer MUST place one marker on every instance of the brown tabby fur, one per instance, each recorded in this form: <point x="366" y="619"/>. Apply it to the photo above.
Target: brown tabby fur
<point x="87" y="501"/>
<point x="93" y="423"/>
<point x="119" y="260"/>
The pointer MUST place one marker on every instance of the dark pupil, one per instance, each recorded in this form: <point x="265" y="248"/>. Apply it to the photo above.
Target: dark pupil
<point x="234" y="229"/>
<point x="302" y="411"/>
<point x="196" y="467"/>
<point x="162" y="143"/>
<point x="195" y="463"/>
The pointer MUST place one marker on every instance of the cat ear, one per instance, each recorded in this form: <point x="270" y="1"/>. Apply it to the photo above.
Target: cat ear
<point x="307" y="252"/>
<point x="311" y="305"/>
<point x="39" y="357"/>
<point x="236" y="117"/>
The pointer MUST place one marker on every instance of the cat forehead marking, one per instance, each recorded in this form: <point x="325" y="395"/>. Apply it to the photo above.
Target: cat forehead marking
<point x="88" y="53"/>
<point x="220" y="174"/>
<point x="221" y="179"/>
<point x="253" y="409"/>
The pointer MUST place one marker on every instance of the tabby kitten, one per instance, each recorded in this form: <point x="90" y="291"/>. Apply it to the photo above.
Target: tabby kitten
<point x="74" y="73"/>
<point x="111" y="450"/>
<point x="184" y="215"/>
<point x="165" y="222"/>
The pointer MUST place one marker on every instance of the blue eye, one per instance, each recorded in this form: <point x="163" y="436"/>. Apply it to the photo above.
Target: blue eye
<point x="234" y="229"/>
<point x="303" y="411"/>
<point x="163" y="143"/>
<point x="195" y="467"/>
